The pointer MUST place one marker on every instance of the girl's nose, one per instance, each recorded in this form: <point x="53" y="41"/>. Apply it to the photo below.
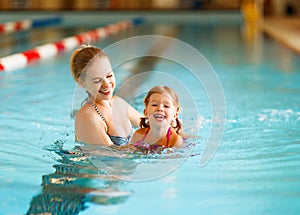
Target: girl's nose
<point x="160" y="107"/>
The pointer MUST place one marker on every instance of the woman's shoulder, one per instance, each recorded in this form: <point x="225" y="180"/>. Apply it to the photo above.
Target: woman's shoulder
<point x="85" y="112"/>
<point x="119" y="100"/>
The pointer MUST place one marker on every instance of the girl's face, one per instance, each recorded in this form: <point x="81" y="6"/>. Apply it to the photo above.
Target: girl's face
<point x="99" y="79"/>
<point x="160" y="110"/>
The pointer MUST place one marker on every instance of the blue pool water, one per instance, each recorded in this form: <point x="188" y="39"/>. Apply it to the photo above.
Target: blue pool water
<point x="256" y="169"/>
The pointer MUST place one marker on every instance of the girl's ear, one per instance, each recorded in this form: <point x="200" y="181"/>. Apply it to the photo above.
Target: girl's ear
<point x="176" y="115"/>
<point x="145" y="112"/>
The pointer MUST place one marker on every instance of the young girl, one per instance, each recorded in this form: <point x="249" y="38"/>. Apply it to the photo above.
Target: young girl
<point x="103" y="119"/>
<point x="160" y="127"/>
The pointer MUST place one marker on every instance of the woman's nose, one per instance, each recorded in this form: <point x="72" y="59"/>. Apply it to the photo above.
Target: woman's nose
<point x="105" y="82"/>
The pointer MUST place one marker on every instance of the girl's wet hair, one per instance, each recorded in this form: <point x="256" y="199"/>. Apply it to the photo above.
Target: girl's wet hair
<point x="81" y="58"/>
<point x="162" y="90"/>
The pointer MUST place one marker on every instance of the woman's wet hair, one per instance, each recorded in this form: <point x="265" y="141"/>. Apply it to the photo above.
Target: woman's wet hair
<point x="81" y="58"/>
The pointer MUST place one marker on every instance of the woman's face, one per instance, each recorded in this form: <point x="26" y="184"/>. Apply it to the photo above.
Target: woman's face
<point x="160" y="110"/>
<point x="99" y="79"/>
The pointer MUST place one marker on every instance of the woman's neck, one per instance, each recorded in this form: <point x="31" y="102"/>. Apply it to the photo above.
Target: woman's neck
<point x="101" y="102"/>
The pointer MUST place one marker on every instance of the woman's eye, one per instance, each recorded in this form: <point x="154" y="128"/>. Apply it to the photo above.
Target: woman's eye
<point x="109" y="76"/>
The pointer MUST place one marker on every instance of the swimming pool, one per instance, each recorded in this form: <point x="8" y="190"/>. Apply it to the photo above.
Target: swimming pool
<point x="256" y="169"/>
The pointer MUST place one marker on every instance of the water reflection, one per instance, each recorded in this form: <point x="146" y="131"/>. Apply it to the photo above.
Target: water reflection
<point x="77" y="181"/>
<point x="100" y="175"/>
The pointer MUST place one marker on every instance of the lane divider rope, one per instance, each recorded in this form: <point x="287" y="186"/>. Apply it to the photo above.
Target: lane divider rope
<point x="9" y="27"/>
<point x="22" y="59"/>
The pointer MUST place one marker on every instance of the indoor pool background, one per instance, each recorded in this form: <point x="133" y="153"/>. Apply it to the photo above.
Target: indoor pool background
<point x="256" y="169"/>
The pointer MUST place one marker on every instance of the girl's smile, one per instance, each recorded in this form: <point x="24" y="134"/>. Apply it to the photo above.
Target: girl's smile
<point x="160" y="109"/>
<point x="159" y="117"/>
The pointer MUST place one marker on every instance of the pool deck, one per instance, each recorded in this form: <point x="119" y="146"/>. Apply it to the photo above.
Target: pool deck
<point x="284" y="29"/>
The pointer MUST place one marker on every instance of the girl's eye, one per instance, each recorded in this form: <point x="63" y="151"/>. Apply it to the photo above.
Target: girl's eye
<point x="166" y="106"/>
<point x="97" y="81"/>
<point x="154" y="105"/>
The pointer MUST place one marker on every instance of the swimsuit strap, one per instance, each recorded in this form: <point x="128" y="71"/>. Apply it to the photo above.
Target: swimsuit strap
<point x="145" y="135"/>
<point x="168" y="136"/>
<point x="97" y="110"/>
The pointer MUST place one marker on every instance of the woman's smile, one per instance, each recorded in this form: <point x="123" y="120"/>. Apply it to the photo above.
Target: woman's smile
<point x="106" y="91"/>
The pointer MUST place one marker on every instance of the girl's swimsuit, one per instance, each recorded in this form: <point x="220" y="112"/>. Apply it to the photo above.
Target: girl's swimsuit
<point x="142" y="145"/>
<point x="117" y="140"/>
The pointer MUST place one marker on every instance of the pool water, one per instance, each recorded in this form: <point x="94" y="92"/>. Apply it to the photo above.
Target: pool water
<point x="256" y="169"/>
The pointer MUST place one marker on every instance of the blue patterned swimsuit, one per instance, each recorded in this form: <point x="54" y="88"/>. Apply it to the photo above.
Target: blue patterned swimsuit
<point x="117" y="140"/>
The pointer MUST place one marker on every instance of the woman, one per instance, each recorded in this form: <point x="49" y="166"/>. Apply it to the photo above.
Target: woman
<point x="104" y="119"/>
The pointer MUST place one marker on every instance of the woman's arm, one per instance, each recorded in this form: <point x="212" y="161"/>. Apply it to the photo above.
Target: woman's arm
<point x="89" y="129"/>
<point x="133" y="115"/>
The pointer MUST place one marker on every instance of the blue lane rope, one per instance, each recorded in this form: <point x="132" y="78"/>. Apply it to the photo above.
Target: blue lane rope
<point x="47" y="21"/>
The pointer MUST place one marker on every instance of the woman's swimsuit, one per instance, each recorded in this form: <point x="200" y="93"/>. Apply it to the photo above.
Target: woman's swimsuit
<point x="145" y="147"/>
<point x="117" y="140"/>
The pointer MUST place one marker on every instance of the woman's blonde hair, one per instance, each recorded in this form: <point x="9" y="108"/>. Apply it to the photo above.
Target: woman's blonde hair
<point x="81" y="58"/>
<point x="162" y="90"/>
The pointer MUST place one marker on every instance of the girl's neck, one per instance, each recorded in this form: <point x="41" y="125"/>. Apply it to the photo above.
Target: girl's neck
<point x="156" y="133"/>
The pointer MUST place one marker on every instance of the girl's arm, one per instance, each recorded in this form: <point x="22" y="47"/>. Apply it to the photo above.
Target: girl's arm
<point x="176" y="140"/>
<point x="179" y="142"/>
<point x="137" y="135"/>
